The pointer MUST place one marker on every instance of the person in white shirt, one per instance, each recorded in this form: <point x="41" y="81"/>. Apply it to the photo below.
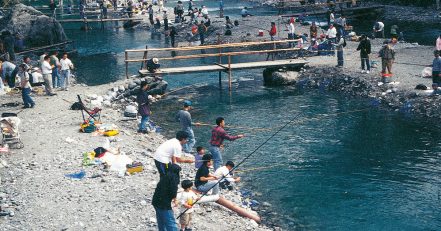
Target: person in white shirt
<point x="228" y="181"/>
<point x="331" y="34"/>
<point x="25" y="86"/>
<point x="66" y="65"/>
<point x="186" y="200"/>
<point x="46" y="69"/>
<point x="171" y="152"/>
<point x="378" y="30"/>
<point x="204" y="11"/>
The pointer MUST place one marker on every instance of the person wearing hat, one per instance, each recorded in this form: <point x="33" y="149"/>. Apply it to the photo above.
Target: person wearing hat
<point x="153" y="65"/>
<point x="204" y="181"/>
<point x="184" y="117"/>
<point x="387" y="55"/>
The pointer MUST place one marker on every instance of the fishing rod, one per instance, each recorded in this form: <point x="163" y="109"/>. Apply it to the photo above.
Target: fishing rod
<point x="246" y="158"/>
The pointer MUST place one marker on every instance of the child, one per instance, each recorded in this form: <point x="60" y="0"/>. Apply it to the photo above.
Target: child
<point x="26" y="86"/>
<point x="186" y="199"/>
<point x="198" y="157"/>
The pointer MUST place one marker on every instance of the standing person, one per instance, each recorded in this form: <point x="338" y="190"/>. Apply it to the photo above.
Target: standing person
<point x="204" y="181"/>
<point x="202" y="29"/>
<point x="204" y="11"/>
<point x="387" y="55"/>
<point x="161" y="5"/>
<point x="186" y="199"/>
<point x="165" y="21"/>
<point x="173" y="34"/>
<point x="394" y="32"/>
<point x="9" y="72"/>
<point x="170" y="152"/>
<point x="365" y="49"/>
<point x="66" y="66"/>
<point x="291" y="30"/>
<point x="228" y="180"/>
<point x="9" y="43"/>
<point x="52" y="7"/>
<point x="341" y="24"/>
<point x="25" y="86"/>
<point x="378" y="30"/>
<point x="436" y="68"/>
<point x="180" y="9"/>
<point x="341" y="43"/>
<point x="221" y="8"/>
<point x="184" y="118"/>
<point x="143" y="106"/>
<point x="313" y="30"/>
<point x="190" y="5"/>
<point x="151" y="12"/>
<point x="41" y="59"/>
<point x="218" y="135"/>
<point x="438" y="43"/>
<point x="273" y="30"/>
<point x="55" y="63"/>
<point x="46" y="69"/>
<point x="115" y="5"/>
<point x="166" y="192"/>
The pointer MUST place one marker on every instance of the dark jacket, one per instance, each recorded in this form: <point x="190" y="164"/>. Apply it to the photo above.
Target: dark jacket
<point x="364" y="47"/>
<point x="143" y="103"/>
<point x="167" y="188"/>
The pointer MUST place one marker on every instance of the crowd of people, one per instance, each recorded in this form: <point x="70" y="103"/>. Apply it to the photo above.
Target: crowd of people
<point x="50" y="71"/>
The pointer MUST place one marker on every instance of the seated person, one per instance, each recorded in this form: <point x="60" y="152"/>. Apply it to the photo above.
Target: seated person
<point x="245" y="12"/>
<point x="228" y="22"/>
<point x="153" y="65"/>
<point x="228" y="180"/>
<point x="205" y="181"/>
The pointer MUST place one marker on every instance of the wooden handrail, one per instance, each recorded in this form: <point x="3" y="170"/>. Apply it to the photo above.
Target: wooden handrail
<point x="216" y="55"/>
<point x="225" y="45"/>
<point x="44" y="47"/>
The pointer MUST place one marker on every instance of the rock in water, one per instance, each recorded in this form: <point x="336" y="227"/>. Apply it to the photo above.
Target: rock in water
<point x="36" y="28"/>
<point x="278" y="78"/>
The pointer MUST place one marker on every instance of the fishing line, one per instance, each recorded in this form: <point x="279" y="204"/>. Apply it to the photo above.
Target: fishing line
<point x="246" y="158"/>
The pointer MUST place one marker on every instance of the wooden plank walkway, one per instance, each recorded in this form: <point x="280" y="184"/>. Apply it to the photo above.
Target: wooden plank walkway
<point x="353" y="10"/>
<point x="224" y="67"/>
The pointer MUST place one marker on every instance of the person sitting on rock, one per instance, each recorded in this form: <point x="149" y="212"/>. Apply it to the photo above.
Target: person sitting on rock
<point x="228" y="180"/>
<point x="245" y="12"/>
<point x="153" y="65"/>
<point x="205" y="181"/>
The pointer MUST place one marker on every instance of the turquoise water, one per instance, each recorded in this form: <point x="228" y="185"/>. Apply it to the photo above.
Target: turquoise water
<point x="364" y="170"/>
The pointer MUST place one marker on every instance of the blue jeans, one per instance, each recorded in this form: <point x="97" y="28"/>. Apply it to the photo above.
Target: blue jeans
<point x="166" y="220"/>
<point x="340" y="57"/>
<point x="188" y="147"/>
<point x="207" y="186"/>
<point x="217" y="156"/>
<point x="64" y="80"/>
<point x="365" y="62"/>
<point x="144" y="120"/>
<point x="27" y="100"/>
<point x="55" y="78"/>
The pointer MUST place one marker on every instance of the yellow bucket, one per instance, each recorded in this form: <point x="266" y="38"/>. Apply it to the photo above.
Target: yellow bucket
<point x="113" y="132"/>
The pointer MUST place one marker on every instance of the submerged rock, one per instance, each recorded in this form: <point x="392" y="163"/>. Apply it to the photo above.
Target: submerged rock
<point x="278" y="78"/>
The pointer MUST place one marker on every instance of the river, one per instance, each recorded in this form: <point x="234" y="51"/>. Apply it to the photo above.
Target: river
<point x="334" y="168"/>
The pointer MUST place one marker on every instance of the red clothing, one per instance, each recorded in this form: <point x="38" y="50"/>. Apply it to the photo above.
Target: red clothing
<point x="273" y="31"/>
<point x="218" y="135"/>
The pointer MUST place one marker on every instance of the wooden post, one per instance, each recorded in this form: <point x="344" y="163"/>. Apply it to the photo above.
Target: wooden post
<point x="144" y="63"/>
<point x="220" y="61"/>
<point x="127" y="64"/>
<point x="229" y="73"/>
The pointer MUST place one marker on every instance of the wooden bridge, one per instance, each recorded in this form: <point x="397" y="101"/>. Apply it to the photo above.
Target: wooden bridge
<point x="251" y="49"/>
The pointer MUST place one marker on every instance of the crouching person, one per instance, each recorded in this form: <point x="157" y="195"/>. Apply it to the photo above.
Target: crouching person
<point x="228" y="180"/>
<point x="205" y="181"/>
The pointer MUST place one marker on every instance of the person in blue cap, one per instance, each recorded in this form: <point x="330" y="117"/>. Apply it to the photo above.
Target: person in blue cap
<point x="184" y="117"/>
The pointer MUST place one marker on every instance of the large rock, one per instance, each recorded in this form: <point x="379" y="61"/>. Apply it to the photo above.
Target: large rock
<point x="278" y="78"/>
<point x="36" y="28"/>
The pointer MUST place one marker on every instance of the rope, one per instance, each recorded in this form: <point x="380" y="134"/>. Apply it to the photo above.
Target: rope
<point x="246" y="158"/>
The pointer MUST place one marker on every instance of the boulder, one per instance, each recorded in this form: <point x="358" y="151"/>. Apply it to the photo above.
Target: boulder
<point x="36" y="28"/>
<point x="278" y="78"/>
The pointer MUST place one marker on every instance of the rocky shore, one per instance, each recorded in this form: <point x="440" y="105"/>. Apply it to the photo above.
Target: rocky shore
<point x="36" y="194"/>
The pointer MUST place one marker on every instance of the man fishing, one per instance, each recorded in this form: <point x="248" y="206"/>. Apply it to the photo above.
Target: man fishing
<point x="184" y="117"/>
<point x="218" y="135"/>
